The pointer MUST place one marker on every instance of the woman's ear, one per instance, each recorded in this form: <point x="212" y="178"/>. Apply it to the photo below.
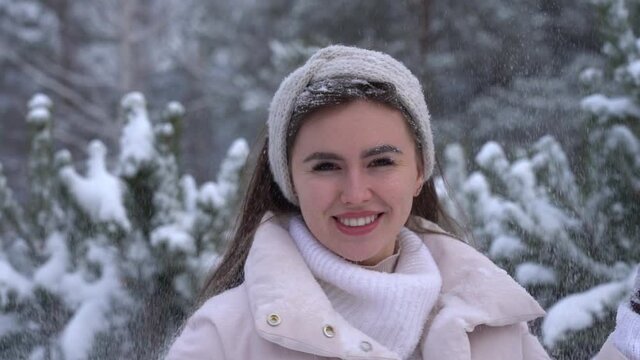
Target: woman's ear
<point x="418" y="190"/>
<point x="419" y="181"/>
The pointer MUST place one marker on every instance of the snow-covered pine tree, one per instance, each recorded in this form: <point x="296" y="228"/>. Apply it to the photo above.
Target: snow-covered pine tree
<point x="167" y="252"/>
<point x="528" y="216"/>
<point x="568" y="232"/>
<point x="41" y="165"/>
<point x="54" y="295"/>
<point x="115" y="270"/>
<point x="613" y="122"/>
<point x="12" y="222"/>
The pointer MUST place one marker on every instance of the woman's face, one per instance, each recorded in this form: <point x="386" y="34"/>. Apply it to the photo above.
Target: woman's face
<point x="355" y="172"/>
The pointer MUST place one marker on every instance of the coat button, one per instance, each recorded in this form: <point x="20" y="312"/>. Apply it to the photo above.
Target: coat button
<point x="328" y="331"/>
<point x="365" y="346"/>
<point x="273" y="319"/>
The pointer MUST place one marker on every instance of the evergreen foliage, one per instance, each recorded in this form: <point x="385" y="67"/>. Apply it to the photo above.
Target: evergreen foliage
<point x="568" y="232"/>
<point x="105" y="264"/>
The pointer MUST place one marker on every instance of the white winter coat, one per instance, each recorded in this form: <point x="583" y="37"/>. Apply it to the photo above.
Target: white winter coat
<point x="280" y="311"/>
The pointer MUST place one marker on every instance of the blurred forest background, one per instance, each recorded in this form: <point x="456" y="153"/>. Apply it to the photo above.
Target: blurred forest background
<point x="499" y="69"/>
<point x="121" y="150"/>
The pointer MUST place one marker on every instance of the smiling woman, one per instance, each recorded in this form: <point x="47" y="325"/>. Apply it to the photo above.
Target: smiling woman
<point x="355" y="191"/>
<point x="339" y="251"/>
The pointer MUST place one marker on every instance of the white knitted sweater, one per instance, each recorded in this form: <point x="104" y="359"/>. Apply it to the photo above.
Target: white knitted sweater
<point x="393" y="307"/>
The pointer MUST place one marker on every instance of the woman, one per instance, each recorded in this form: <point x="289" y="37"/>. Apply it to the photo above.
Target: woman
<point x="338" y="253"/>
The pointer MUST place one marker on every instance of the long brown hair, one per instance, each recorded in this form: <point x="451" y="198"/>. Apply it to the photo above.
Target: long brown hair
<point x="263" y="194"/>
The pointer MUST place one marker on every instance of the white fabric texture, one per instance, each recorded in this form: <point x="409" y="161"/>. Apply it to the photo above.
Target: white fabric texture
<point x="336" y="61"/>
<point x="392" y="308"/>
<point x="626" y="337"/>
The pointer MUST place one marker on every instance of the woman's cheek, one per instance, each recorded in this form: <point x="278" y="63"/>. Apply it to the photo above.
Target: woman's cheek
<point x="319" y="189"/>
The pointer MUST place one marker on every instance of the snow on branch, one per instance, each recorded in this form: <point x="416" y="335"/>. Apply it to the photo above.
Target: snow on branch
<point x="606" y="107"/>
<point x="580" y="311"/>
<point x="137" y="141"/>
<point x="99" y="194"/>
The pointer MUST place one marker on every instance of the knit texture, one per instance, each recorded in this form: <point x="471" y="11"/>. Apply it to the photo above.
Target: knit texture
<point x="392" y="308"/>
<point x="626" y="337"/>
<point x="339" y="61"/>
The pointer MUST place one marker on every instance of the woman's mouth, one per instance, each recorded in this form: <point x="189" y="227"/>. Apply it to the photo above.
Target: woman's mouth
<point x="357" y="225"/>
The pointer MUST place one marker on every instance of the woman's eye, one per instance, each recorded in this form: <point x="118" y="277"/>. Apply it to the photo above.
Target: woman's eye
<point x="325" y="166"/>
<point x="381" y="162"/>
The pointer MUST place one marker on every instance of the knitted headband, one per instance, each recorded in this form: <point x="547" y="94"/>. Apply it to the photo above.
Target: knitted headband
<point x="339" y="61"/>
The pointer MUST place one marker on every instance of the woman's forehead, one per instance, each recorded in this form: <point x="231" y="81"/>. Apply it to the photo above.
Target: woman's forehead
<point x="357" y="126"/>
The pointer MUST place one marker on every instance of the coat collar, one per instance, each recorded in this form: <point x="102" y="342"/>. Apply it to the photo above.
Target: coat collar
<point x="278" y="282"/>
<point x="474" y="292"/>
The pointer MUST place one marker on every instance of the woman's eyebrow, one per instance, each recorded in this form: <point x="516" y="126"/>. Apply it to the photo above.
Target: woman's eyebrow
<point x="380" y="149"/>
<point x="377" y="150"/>
<point x="322" y="156"/>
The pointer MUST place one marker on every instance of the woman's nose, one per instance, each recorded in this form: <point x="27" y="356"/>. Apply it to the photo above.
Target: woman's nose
<point x="356" y="189"/>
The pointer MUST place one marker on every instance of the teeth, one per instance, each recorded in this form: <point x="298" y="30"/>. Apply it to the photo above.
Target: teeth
<point x="358" y="221"/>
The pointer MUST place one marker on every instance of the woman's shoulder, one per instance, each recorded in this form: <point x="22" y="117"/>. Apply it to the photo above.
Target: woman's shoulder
<point x="474" y="284"/>
<point x="229" y="305"/>
<point x="458" y="261"/>
<point x="212" y="327"/>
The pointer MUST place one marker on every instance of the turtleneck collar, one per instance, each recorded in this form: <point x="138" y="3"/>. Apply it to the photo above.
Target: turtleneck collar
<point x="392" y="308"/>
